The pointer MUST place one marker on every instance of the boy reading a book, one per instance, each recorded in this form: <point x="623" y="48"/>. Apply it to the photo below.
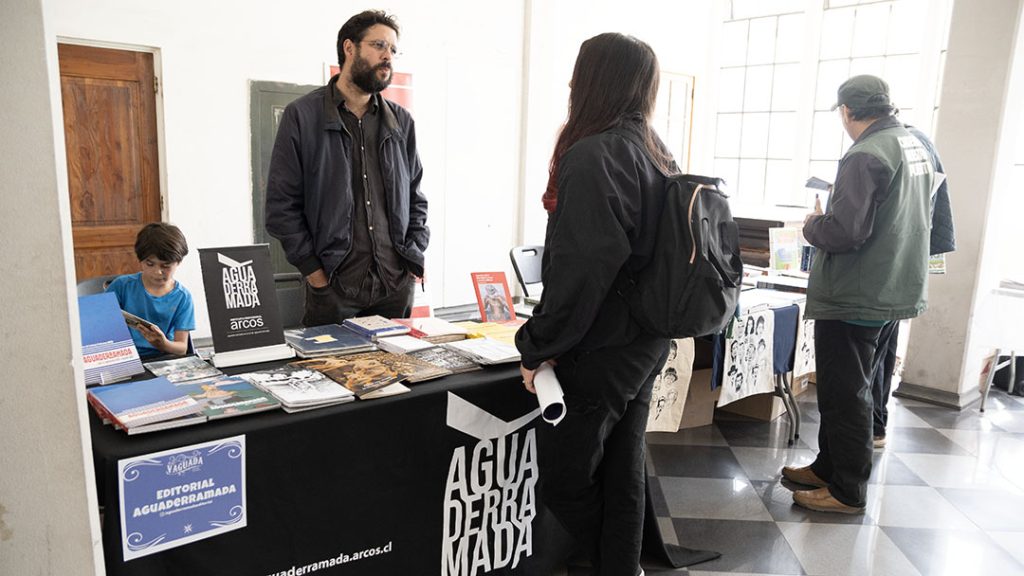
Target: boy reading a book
<point x="154" y="295"/>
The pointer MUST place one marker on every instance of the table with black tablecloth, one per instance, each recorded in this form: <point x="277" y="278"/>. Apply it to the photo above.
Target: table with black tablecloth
<point x="369" y="475"/>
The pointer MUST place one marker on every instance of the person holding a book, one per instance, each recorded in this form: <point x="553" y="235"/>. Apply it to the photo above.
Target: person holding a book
<point x="605" y="191"/>
<point x="343" y="191"/>
<point x="869" y="272"/>
<point x="154" y="295"/>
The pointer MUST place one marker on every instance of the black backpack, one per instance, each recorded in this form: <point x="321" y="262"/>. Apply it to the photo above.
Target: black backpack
<point x="691" y="283"/>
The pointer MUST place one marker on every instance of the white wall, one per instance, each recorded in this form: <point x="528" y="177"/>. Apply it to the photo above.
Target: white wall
<point x="679" y="33"/>
<point x="48" y="519"/>
<point x="466" y="67"/>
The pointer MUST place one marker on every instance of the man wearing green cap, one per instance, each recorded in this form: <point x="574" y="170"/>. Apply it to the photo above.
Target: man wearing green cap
<point x="870" y="271"/>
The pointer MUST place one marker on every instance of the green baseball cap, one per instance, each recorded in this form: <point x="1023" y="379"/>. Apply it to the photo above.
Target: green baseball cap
<point x="864" y="91"/>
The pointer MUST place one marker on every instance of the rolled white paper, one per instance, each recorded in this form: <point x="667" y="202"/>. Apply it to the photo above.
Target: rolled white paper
<point x="549" y="394"/>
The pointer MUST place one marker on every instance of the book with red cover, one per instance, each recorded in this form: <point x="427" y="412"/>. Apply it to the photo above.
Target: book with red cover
<point x="493" y="297"/>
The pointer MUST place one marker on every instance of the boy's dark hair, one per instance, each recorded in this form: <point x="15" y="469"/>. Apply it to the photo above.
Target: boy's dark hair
<point x="357" y="25"/>
<point x="161" y="240"/>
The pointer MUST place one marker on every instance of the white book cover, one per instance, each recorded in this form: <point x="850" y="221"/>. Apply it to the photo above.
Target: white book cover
<point x="486" y="350"/>
<point x="298" y="387"/>
<point x="403" y="344"/>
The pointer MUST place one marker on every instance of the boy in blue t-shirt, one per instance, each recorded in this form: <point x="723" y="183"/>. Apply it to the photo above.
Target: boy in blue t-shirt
<point x="154" y="295"/>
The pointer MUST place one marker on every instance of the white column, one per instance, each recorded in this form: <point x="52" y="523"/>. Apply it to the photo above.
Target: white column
<point x="48" y="518"/>
<point x="978" y="108"/>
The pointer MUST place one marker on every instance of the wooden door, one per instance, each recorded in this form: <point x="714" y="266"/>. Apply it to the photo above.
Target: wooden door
<point x="110" y="134"/>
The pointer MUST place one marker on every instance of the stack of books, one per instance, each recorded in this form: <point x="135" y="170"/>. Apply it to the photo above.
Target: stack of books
<point x="485" y="350"/>
<point x="374" y="327"/>
<point x="145" y="405"/>
<point x="327" y="340"/>
<point x="434" y="330"/>
<point x="299" y="389"/>
<point x="108" y="352"/>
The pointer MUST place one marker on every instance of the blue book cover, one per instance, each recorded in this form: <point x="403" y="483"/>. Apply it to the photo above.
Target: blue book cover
<point x="133" y="396"/>
<point x="327" y="339"/>
<point x="108" y="352"/>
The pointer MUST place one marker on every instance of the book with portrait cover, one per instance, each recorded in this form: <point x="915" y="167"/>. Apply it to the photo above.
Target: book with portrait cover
<point x="108" y="351"/>
<point x="242" y="299"/>
<point x="493" y="297"/>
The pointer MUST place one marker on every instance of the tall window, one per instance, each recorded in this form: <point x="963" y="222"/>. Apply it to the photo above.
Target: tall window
<point x="758" y="104"/>
<point x="770" y="138"/>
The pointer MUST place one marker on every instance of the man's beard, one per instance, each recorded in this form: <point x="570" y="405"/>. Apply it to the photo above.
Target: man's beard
<point x="365" y="77"/>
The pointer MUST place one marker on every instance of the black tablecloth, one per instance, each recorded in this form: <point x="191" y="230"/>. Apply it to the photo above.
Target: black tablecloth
<point x="378" y="475"/>
<point x="335" y="480"/>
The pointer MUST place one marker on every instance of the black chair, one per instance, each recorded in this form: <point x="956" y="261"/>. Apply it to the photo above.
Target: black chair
<point x="95" y="285"/>
<point x="526" y="263"/>
<point x="291" y="298"/>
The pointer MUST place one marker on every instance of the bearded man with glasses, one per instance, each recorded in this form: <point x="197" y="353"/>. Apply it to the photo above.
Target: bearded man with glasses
<point x="343" y="193"/>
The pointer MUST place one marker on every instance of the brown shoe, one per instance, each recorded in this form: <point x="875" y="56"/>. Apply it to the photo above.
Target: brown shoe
<point x="803" y="475"/>
<point x="823" y="501"/>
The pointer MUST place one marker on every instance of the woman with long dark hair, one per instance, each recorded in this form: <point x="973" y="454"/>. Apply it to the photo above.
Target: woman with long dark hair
<point x="604" y="194"/>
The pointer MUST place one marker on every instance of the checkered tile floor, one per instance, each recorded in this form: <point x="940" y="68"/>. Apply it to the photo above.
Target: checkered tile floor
<point x="946" y="496"/>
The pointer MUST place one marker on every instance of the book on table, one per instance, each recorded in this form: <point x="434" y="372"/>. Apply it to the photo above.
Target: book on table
<point x="500" y="331"/>
<point x="449" y="360"/>
<point x="299" y="388"/>
<point x="403" y="344"/>
<point x="108" y="351"/>
<point x="360" y="373"/>
<point x="135" y="405"/>
<point x="182" y="369"/>
<point x="485" y="350"/>
<point x="493" y="297"/>
<point x="223" y="396"/>
<point x="375" y="326"/>
<point x="433" y="330"/>
<point x="327" y="340"/>
<point x="241" y="297"/>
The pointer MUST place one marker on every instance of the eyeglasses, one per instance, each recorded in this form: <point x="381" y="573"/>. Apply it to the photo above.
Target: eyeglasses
<point x="383" y="46"/>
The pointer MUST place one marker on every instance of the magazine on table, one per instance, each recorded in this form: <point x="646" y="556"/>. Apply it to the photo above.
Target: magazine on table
<point x="297" y="387"/>
<point x="327" y="340"/>
<point x="182" y="369"/>
<point x="403" y="344"/>
<point x="485" y="350"/>
<point x="447" y="359"/>
<point x="135" y="404"/>
<point x="360" y="373"/>
<point x="375" y="326"/>
<point x="433" y="330"/>
<point x="224" y="396"/>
